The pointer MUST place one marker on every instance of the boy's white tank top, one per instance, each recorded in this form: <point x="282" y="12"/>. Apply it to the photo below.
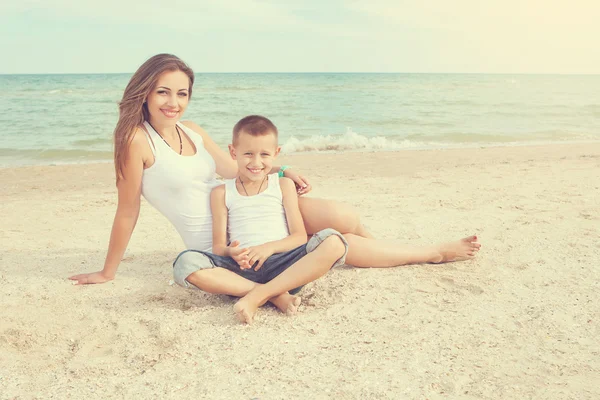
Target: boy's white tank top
<point x="179" y="188"/>
<point x="255" y="220"/>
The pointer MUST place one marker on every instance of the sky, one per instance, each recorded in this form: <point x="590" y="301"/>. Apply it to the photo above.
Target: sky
<point x="422" y="36"/>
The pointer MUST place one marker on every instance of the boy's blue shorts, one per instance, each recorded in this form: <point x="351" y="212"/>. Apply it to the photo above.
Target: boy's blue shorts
<point x="190" y="261"/>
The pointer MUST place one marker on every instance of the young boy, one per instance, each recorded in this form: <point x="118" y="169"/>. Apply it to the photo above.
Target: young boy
<point x="259" y="240"/>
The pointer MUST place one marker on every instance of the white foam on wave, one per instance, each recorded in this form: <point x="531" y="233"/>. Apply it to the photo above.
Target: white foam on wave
<point x="59" y="91"/>
<point x="346" y="142"/>
<point x="352" y="141"/>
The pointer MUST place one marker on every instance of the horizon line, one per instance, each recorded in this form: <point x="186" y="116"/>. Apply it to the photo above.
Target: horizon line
<point x="317" y="72"/>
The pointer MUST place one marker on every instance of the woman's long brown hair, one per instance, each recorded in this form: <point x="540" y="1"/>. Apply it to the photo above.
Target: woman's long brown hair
<point x="133" y="110"/>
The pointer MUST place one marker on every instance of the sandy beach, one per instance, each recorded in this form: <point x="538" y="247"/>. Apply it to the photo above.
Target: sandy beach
<point x="521" y="321"/>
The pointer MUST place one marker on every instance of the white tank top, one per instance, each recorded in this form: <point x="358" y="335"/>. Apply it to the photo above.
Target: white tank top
<point x="255" y="220"/>
<point x="179" y="188"/>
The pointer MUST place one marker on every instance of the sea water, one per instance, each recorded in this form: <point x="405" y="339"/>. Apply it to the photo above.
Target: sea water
<point x="54" y="119"/>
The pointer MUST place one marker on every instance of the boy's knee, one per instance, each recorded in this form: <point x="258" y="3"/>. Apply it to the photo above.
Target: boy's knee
<point x="188" y="263"/>
<point x="334" y="246"/>
<point x="331" y="243"/>
<point x="191" y="259"/>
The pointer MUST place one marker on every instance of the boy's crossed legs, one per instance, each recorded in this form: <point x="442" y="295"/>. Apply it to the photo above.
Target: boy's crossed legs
<point x="279" y="274"/>
<point x="223" y="281"/>
<point x="330" y="252"/>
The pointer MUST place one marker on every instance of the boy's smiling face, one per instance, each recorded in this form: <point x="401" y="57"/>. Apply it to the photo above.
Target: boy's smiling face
<point x="254" y="155"/>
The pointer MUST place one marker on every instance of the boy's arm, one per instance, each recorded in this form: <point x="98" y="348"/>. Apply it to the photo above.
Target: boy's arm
<point x="294" y="219"/>
<point x="219" y="219"/>
<point x="259" y="254"/>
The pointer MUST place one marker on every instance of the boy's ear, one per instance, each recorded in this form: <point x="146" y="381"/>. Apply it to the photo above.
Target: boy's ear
<point x="231" y="151"/>
<point x="277" y="151"/>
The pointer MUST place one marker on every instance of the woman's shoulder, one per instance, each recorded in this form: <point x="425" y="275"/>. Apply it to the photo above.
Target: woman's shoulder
<point x="139" y="137"/>
<point x="195" y="127"/>
<point x="140" y="142"/>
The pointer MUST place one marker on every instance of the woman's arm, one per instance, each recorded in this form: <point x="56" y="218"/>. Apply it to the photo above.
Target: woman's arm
<point x="303" y="186"/>
<point x="226" y="166"/>
<point x="128" y="208"/>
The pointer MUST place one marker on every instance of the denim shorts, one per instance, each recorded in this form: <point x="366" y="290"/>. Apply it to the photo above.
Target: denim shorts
<point x="190" y="261"/>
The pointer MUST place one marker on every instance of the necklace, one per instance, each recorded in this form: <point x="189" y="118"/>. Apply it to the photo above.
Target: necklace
<point x="244" y="187"/>
<point x="178" y="134"/>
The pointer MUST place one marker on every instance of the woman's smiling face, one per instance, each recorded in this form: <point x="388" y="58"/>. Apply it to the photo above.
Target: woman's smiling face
<point x="169" y="98"/>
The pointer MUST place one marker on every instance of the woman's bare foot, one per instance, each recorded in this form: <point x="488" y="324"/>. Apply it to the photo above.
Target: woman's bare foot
<point x="462" y="249"/>
<point x="286" y="303"/>
<point x="245" y="310"/>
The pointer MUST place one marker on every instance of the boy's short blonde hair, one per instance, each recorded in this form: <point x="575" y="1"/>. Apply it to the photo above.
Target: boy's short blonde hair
<point x="254" y="125"/>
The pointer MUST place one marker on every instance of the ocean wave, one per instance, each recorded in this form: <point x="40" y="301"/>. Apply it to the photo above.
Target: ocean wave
<point x="236" y="88"/>
<point x="348" y="141"/>
<point x="352" y="141"/>
<point x="27" y="156"/>
<point x="592" y="109"/>
<point x="92" y="142"/>
<point x="316" y="144"/>
<point x="500" y="138"/>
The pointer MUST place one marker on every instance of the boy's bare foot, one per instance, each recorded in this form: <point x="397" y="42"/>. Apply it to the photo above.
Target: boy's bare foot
<point x="286" y="303"/>
<point x="462" y="249"/>
<point x="244" y="310"/>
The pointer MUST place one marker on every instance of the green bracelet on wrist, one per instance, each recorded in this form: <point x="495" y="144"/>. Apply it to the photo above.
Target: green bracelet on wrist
<point x="283" y="168"/>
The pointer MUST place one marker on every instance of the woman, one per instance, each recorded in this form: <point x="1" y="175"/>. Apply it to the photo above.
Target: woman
<point x="173" y="165"/>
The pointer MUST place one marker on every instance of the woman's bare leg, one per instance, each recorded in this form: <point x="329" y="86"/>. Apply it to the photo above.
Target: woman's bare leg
<point x="369" y="253"/>
<point x="222" y="281"/>
<point x="365" y="251"/>
<point x="319" y="214"/>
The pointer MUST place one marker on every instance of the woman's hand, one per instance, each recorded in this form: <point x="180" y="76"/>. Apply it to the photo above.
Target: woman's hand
<point x="302" y="184"/>
<point x="91" y="278"/>
<point x="259" y="254"/>
<point x="239" y="255"/>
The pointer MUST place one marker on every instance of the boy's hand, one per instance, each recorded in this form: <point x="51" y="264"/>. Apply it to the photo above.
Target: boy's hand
<point x="239" y="255"/>
<point x="302" y="184"/>
<point x="259" y="254"/>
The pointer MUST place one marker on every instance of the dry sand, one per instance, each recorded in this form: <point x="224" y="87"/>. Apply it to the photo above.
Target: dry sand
<point x="519" y="322"/>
